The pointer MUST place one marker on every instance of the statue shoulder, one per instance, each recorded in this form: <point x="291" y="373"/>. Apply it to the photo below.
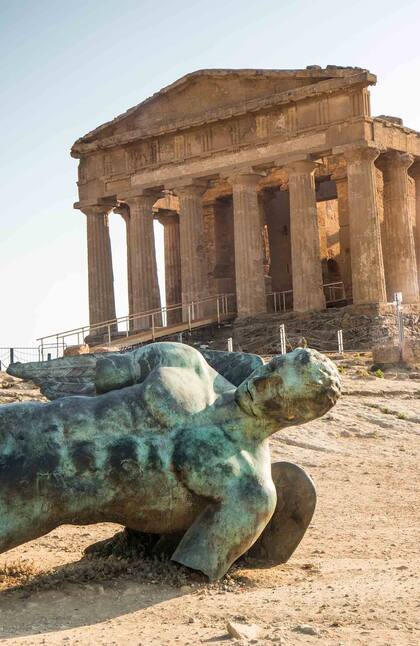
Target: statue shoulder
<point x="172" y="394"/>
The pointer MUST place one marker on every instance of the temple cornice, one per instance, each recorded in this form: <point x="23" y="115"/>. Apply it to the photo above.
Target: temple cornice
<point x="84" y="146"/>
<point x="396" y="137"/>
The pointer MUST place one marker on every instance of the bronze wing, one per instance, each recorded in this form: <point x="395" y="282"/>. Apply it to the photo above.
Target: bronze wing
<point x="76" y="375"/>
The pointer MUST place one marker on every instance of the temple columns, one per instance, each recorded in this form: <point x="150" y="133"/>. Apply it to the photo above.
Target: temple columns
<point x="249" y="267"/>
<point x="172" y="253"/>
<point x="194" y="279"/>
<point x="100" y="274"/>
<point x="141" y="252"/>
<point x="367" y="266"/>
<point x="397" y="235"/>
<point x="415" y="173"/>
<point x="308" y="293"/>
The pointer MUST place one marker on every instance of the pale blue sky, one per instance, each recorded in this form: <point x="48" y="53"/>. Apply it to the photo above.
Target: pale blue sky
<point x="69" y="65"/>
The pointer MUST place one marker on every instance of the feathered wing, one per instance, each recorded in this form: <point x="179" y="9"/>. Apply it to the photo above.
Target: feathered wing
<point x="76" y="375"/>
<point x="60" y="377"/>
<point x="233" y="366"/>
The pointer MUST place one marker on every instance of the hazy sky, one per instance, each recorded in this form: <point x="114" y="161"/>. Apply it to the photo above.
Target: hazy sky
<point x="70" y="65"/>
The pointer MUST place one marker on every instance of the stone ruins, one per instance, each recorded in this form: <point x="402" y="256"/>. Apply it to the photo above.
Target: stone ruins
<point x="265" y="181"/>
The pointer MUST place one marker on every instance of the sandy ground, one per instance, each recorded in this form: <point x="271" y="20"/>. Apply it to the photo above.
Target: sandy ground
<point x="353" y="579"/>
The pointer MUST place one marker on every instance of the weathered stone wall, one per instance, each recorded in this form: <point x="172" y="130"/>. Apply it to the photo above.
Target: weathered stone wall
<point x="218" y="233"/>
<point x="210" y="244"/>
<point x="277" y="212"/>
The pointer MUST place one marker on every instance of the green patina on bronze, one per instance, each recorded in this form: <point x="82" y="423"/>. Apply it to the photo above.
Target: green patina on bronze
<point x="168" y="446"/>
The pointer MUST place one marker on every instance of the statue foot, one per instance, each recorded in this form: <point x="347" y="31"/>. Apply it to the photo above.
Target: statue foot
<point x="296" y="500"/>
<point x="128" y="544"/>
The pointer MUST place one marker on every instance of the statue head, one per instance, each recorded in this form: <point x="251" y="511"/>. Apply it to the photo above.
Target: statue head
<point x="291" y="389"/>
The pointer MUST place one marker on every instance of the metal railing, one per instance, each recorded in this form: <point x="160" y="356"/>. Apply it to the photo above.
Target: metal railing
<point x="334" y="292"/>
<point x="280" y="301"/>
<point x="283" y="301"/>
<point x="150" y="323"/>
<point x="25" y="354"/>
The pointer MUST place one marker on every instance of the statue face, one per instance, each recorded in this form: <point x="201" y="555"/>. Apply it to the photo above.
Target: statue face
<point x="292" y="389"/>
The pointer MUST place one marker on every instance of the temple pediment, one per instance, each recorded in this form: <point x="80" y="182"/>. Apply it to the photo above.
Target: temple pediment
<point x="209" y="95"/>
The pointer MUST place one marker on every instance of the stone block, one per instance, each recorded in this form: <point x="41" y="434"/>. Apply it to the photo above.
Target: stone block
<point x="386" y="354"/>
<point x="100" y="349"/>
<point x="76" y="350"/>
<point x="411" y="352"/>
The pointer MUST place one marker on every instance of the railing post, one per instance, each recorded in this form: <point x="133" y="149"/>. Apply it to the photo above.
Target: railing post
<point x="11" y="355"/>
<point x="189" y="317"/>
<point x="230" y="344"/>
<point x="400" y="321"/>
<point x="153" y="326"/>
<point x="282" y="339"/>
<point x="218" y="311"/>
<point x="340" y="341"/>
<point x="109" y="334"/>
<point x="284" y="300"/>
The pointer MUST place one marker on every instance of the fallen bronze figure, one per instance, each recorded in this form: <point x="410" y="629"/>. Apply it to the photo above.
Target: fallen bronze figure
<point x="167" y="442"/>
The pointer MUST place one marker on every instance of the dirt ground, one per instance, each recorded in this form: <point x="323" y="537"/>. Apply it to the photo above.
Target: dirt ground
<point x="353" y="579"/>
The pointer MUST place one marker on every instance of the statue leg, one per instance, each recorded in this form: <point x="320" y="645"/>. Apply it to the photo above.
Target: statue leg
<point x="296" y="500"/>
<point x="224" y="531"/>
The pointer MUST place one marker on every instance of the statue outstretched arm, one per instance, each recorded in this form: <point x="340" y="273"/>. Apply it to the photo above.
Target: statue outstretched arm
<point x="115" y="370"/>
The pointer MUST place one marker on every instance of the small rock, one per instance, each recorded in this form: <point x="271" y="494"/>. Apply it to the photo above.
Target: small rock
<point x="185" y="588"/>
<point x="306" y="630"/>
<point x="243" y="631"/>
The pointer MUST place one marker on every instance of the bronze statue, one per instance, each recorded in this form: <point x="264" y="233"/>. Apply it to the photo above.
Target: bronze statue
<point x="168" y="446"/>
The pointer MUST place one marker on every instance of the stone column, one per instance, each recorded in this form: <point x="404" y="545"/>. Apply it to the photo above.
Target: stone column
<point x="308" y="293"/>
<point x="249" y="253"/>
<point x="397" y="231"/>
<point x="141" y="251"/>
<point x="172" y="251"/>
<point x="415" y="173"/>
<point x="368" y="281"/>
<point x="100" y="274"/>
<point x="344" y="259"/>
<point x="194" y="278"/>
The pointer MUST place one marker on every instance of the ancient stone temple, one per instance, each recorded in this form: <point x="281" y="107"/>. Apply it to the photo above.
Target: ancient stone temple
<point x="266" y="182"/>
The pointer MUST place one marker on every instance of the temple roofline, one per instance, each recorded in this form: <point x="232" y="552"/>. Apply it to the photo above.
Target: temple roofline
<point x="330" y="73"/>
